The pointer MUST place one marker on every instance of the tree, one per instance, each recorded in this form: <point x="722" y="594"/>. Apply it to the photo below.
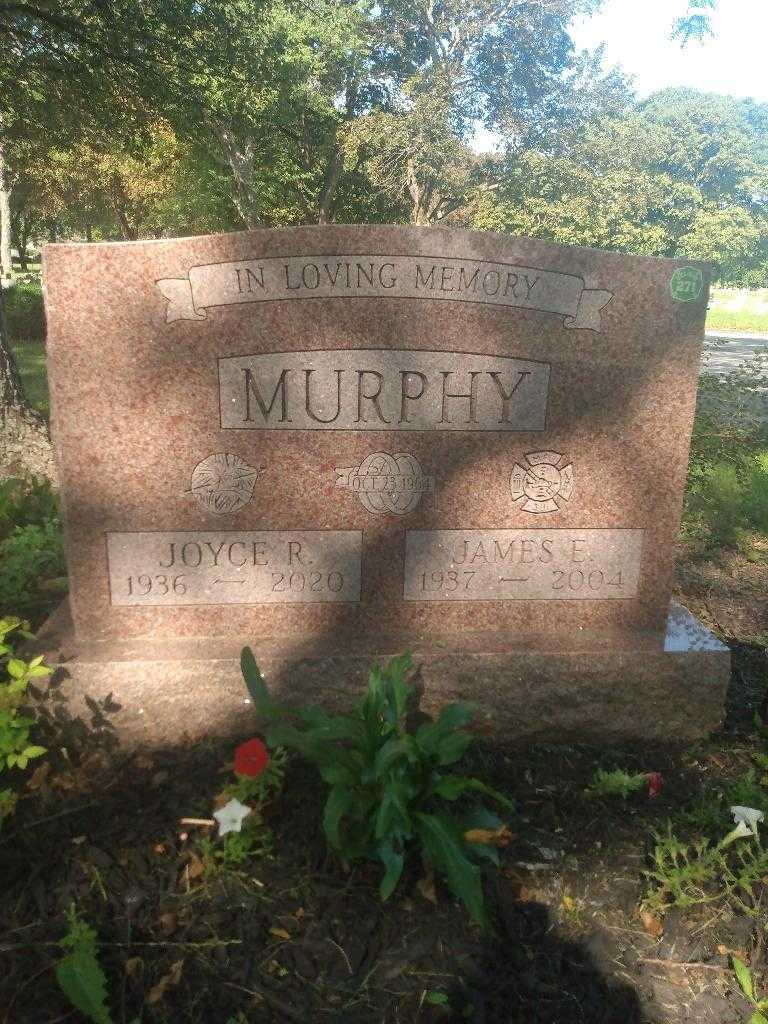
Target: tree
<point x="696" y="22"/>
<point x="72" y="71"/>
<point x="507" y="64"/>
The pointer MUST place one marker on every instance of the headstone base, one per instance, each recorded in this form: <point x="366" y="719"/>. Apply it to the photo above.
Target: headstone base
<point x="163" y="691"/>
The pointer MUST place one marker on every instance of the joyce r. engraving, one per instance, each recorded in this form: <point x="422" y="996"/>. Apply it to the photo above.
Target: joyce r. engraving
<point x="542" y="482"/>
<point x="387" y="483"/>
<point x="223" y="483"/>
<point x="375" y="389"/>
<point x="507" y="565"/>
<point x="251" y="567"/>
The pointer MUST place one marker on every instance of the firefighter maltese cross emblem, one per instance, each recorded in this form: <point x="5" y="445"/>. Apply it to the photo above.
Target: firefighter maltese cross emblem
<point x="542" y="482"/>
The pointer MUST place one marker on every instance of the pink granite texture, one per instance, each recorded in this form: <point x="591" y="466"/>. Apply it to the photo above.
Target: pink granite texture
<point x="136" y="407"/>
<point x="159" y="691"/>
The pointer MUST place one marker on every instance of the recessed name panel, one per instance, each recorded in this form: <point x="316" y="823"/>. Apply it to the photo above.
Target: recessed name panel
<point x="382" y="389"/>
<point x="518" y="565"/>
<point x="234" y="567"/>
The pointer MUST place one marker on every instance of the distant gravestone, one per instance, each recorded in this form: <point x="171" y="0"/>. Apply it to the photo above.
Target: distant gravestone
<point x="336" y="443"/>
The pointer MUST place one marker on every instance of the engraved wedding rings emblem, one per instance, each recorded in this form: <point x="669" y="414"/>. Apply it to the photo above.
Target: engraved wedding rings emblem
<point x="223" y="483"/>
<point x="387" y="484"/>
<point x="542" y="482"/>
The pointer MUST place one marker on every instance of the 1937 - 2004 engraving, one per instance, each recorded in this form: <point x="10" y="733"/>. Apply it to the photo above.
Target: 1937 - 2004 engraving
<point x="509" y="565"/>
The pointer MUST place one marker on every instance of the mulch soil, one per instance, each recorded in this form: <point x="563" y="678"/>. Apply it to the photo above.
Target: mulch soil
<point x="293" y="936"/>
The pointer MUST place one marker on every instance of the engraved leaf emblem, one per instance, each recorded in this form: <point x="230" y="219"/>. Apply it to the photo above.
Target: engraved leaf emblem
<point x="223" y="483"/>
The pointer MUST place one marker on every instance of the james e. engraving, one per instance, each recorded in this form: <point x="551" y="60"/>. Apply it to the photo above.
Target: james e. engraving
<point x="509" y="565"/>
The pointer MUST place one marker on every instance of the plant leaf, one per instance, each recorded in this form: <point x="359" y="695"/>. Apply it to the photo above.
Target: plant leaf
<point x="452" y="747"/>
<point x="339" y="801"/>
<point x="744" y="976"/>
<point x="83" y="982"/>
<point x="393" y="861"/>
<point x="444" y="851"/>
<point x="451" y="787"/>
<point x="16" y="668"/>
<point x="255" y="684"/>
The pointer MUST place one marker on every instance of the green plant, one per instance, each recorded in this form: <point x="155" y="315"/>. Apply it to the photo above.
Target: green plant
<point x="718" y="504"/>
<point x="616" y="783"/>
<point x="685" y="873"/>
<point x="79" y="972"/>
<point x="16" y="750"/>
<point x="747" y="986"/>
<point x="682" y="874"/>
<point x="26" y="501"/>
<point x="389" y="789"/>
<point x="31" y="566"/>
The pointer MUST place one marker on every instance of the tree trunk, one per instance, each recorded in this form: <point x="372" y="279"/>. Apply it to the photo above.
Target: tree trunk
<point x="327" y="195"/>
<point x="25" y="443"/>
<point x="6" y="265"/>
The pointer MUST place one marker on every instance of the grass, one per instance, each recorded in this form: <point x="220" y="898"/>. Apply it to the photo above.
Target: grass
<point x="738" y="309"/>
<point x="30" y="357"/>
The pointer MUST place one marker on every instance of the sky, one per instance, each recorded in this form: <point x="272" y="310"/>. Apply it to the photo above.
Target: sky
<point x="636" y="36"/>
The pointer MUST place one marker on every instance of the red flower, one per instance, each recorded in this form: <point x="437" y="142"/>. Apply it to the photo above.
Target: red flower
<point x="654" y="784"/>
<point x="251" y="758"/>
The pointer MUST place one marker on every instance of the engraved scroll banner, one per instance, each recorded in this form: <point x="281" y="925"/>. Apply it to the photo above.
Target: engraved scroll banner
<point x="522" y="565"/>
<point x="374" y="276"/>
<point x="234" y="567"/>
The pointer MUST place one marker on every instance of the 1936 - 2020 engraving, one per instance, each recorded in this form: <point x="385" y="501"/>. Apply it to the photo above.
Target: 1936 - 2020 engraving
<point x="234" y="567"/>
<point x="510" y="565"/>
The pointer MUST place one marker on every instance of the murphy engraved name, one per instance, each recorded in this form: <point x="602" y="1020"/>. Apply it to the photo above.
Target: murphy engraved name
<point x="376" y="389"/>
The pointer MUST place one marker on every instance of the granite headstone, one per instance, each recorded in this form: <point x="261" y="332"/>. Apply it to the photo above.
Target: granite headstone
<point x="335" y="443"/>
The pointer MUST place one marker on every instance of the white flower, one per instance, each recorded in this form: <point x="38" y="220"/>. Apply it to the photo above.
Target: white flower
<point x="230" y="816"/>
<point x="750" y="816"/>
<point x="741" y="831"/>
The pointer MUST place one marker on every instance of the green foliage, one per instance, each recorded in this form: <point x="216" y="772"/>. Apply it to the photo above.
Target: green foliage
<point x="616" y="783"/>
<point x="24" y="310"/>
<point x="727" y="499"/>
<point x="685" y="873"/>
<point x="695" y="23"/>
<point x="32" y="563"/>
<point x="79" y="973"/>
<point x="16" y="748"/>
<point x="747" y="986"/>
<point x="253" y="840"/>
<point x="390" y="797"/>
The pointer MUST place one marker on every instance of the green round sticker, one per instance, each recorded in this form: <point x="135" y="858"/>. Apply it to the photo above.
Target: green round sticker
<point x="686" y="284"/>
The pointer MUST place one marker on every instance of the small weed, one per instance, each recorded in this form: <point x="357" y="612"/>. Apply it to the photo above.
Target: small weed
<point x="686" y="873"/>
<point x="79" y="972"/>
<point x="616" y="783"/>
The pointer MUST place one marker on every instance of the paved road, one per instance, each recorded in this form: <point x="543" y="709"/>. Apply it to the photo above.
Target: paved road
<point x="723" y="358"/>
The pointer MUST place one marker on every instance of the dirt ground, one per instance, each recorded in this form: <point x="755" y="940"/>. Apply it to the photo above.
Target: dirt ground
<point x="294" y="937"/>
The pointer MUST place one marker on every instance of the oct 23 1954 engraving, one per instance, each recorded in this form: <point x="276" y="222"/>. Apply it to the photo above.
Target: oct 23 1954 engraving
<point x="386" y="483"/>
